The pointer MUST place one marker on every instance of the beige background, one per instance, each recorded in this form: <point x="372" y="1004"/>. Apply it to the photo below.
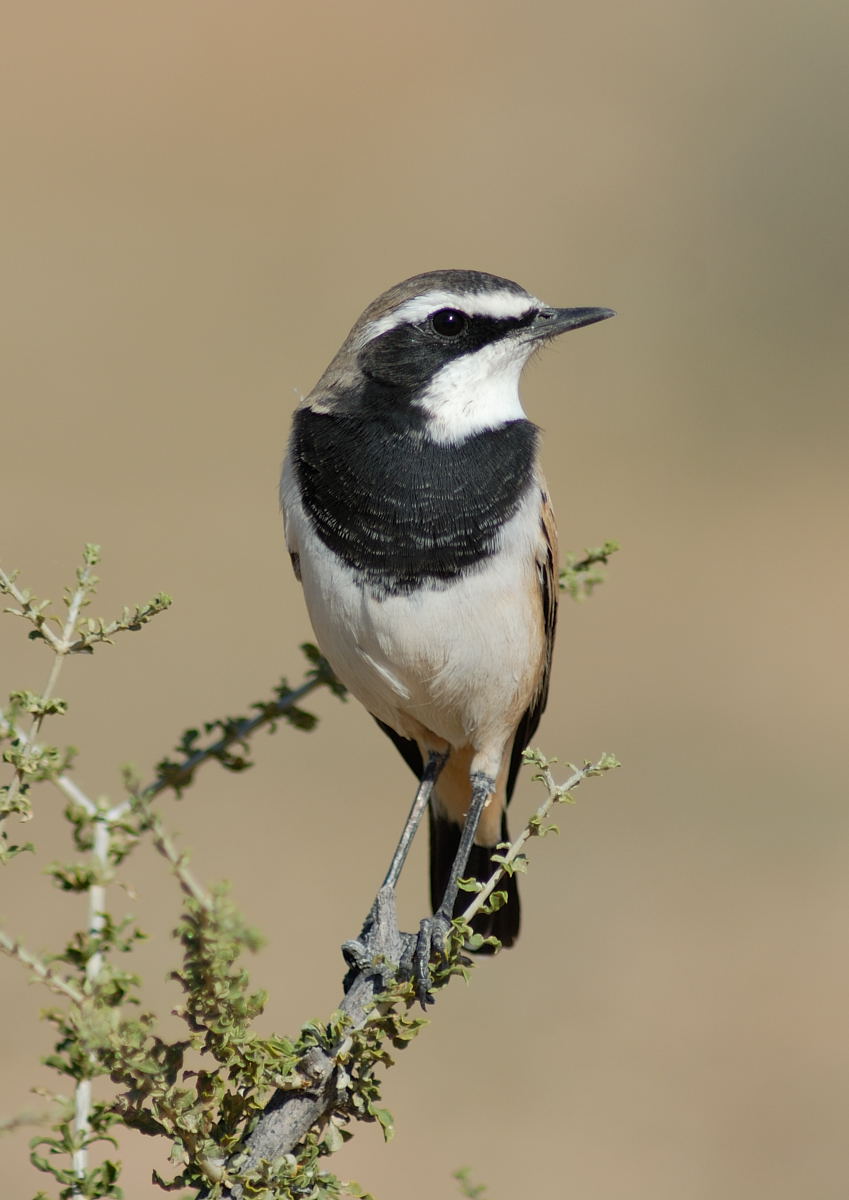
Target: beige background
<point x="199" y="199"/>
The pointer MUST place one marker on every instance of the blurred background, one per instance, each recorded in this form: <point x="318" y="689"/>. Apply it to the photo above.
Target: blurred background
<point x="199" y="199"/>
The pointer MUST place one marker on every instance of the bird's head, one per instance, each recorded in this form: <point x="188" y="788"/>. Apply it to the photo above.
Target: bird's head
<point x="445" y="351"/>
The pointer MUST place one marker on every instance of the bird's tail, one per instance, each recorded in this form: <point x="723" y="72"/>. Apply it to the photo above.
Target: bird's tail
<point x="444" y="841"/>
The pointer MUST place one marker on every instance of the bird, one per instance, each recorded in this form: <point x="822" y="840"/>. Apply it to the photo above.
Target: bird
<point x="419" y="524"/>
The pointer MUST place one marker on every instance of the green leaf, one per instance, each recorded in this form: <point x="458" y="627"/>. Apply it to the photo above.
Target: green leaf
<point x="384" y="1117"/>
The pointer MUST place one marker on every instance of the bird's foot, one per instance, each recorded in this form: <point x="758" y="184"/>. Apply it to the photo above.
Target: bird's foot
<point x="421" y="951"/>
<point x="383" y="950"/>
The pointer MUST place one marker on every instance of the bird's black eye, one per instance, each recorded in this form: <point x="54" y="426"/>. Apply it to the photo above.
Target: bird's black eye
<point x="449" y="322"/>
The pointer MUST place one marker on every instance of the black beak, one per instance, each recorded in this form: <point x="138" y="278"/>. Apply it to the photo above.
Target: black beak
<point x="551" y="321"/>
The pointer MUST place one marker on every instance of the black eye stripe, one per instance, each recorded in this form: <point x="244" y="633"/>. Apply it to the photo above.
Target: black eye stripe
<point x="406" y="357"/>
<point x="477" y="328"/>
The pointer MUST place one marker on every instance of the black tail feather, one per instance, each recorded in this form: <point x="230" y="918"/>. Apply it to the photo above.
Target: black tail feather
<point x="444" y="840"/>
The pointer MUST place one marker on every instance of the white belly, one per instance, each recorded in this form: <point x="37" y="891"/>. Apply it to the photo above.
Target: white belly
<point x="460" y="661"/>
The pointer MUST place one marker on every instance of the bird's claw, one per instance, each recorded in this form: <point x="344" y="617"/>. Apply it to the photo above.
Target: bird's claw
<point x="382" y="949"/>
<point x="356" y="954"/>
<point x="420" y="950"/>
<point x="370" y="955"/>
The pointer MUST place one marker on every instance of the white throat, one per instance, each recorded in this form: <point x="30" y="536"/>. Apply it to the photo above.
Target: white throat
<point x="476" y="392"/>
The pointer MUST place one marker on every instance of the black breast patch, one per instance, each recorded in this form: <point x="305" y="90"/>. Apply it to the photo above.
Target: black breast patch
<point x="402" y="509"/>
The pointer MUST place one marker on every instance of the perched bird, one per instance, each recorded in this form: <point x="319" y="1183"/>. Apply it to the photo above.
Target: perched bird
<point x="419" y="523"/>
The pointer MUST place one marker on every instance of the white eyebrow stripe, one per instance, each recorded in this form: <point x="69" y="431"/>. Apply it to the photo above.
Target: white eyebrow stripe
<point x="476" y="304"/>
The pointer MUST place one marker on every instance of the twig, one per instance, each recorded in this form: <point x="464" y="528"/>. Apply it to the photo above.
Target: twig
<point x="60" y="645"/>
<point x="179" y="775"/>
<point x="10" y="588"/>
<point x="163" y="843"/>
<point x="45" y="974"/>
<point x="557" y="794"/>
<point x="291" y="1114"/>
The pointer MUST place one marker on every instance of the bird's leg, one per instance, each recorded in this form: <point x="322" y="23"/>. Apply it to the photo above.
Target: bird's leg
<point x="376" y="937"/>
<point x="433" y="930"/>
<point x="433" y="766"/>
<point x="483" y="786"/>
